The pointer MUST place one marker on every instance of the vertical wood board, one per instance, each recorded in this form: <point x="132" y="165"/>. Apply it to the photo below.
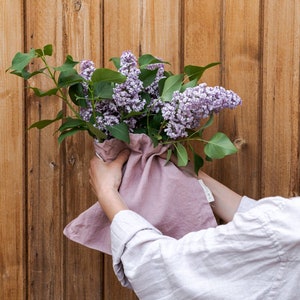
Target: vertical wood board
<point x="12" y="182"/>
<point x="280" y="94"/>
<point x="83" y="267"/>
<point x="45" y="259"/>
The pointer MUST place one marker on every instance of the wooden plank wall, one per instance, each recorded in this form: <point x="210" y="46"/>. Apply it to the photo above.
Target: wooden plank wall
<point x="44" y="186"/>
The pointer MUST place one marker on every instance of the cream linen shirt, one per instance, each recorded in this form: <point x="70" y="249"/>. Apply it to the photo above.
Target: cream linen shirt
<point x="256" y="256"/>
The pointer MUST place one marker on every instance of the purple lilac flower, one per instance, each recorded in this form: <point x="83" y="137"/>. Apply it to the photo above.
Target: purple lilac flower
<point x="127" y="94"/>
<point x="186" y="109"/>
<point x="156" y="103"/>
<point x="87" y="68"/>
<point x="106" y="110"/>
<point x="108" y="115"/>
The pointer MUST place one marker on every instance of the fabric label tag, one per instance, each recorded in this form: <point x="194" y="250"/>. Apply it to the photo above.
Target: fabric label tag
<point x="208" y="193"/>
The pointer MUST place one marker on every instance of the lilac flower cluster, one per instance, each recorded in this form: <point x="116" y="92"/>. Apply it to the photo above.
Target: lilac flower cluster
<point x="107" y="112"/>
<point x="156" y="103"/>
<point x="186" y="109"/>
<point x="183" y="113"/>
<point x="87" y="68"/>
<point x="127" y="95"/>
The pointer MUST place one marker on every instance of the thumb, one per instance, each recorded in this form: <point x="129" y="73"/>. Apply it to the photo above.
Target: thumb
<point x="122" y="156"/>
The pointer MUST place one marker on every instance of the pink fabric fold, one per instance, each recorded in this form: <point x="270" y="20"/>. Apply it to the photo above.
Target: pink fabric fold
<point x="169" y="198"/>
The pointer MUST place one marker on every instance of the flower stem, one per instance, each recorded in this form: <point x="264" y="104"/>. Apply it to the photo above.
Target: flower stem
<point x="62" y="95"/>
<point x="188" y="139"/>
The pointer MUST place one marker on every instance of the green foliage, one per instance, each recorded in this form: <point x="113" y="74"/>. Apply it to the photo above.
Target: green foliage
<point x="196" y="72"/>
<point x="219" y="146"/>
<point x="182" y="155"/>
<point x="172" y="84"/>
<point x="67" y="85"/>
<point x="108" y="75"/>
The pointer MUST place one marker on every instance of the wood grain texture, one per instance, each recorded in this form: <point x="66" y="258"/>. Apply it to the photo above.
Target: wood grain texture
<point x="45" y="185"/>
<point x="241" y="58"/>
<point x="121" y="28"/>
<point x="201" y="36"/>
<point x="280" y="98"/>
<point x="121" y="33"/>
<point x="44" y="164"/>
<point x="83" y="267"/>
<point x="12" y="182"/>
<point x="161" y="30"/>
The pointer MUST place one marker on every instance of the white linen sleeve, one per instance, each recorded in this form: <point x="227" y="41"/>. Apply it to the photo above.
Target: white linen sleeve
<point x="206" y="262"/>
<point x="246" y="204"/>
<point x="125" y="225"/>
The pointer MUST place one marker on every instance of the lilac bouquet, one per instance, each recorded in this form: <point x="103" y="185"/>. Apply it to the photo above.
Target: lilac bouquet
<point x="139" y="97"/>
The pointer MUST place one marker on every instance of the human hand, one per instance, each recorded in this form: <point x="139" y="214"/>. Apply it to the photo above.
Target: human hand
<point x="105" y="179"/>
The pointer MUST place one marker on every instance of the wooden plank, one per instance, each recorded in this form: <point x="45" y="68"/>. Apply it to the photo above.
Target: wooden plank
<point x="44" y="172"/>
<point x="12" y="183"/>
<point x="201" y="36"/>
<point x="121" y="28"/>
<point x="241" y="59"/>
<point x="83" y="36"/>
<point x="280" y="106"/>
<point x="160" y="29"/>
<point x="121" y="32"/>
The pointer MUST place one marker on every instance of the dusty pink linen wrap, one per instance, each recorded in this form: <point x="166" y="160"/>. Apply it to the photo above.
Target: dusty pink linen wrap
<point x="169" y="198"/>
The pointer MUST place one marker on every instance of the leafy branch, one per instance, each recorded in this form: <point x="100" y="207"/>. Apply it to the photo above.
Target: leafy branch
<point x="79" y="93"/>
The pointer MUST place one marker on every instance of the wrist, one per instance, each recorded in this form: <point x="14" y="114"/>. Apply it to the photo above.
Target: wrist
<point x="111" y="202"/>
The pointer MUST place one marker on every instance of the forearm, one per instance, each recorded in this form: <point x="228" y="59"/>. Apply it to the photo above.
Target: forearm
<point x="111" y="203"/>
<point x="226" y="201"/>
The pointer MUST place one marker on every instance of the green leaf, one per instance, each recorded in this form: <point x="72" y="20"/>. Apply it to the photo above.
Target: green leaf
<point x="198" y="162"/>
<point x="41" y="93"/>
<point x="120" y="131"/>
<point x="182" y="155"/>
<point x="148" y="59"/>
<point x="77" y="95"/>
<point x="26" y="75"/>
<point x="169" y="155"/>
<point x="219" y="146"/>
<point x="161" y="85"/>
<point x="116" y="62"/>
<point x="48" y="50"/>
<point x="95" y="132"/>
<point x="147" y="76"/>
<point x="108" y="75"/>
<point x="172" y="84"/>
<point x="20" y="61"/>
<point x="153" y="134"/>
<point x="102" y="89"/>
<point x="39" y="52"/>
<point x="71" y="123"/>
<point x="208" y="123"/>
<point x="195" y="72"/>
<point x="189" y="84"/>
<point x="68" y="78"/>
<point x="71" y="126"/>
<point x="68" y="133"/>
<point x="68" y="64"/>
<point x="43" y="123"/>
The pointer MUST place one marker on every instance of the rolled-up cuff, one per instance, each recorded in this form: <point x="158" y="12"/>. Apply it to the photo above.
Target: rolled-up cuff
<point x="125" y="225"/>
<point x="246" y="204"/>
